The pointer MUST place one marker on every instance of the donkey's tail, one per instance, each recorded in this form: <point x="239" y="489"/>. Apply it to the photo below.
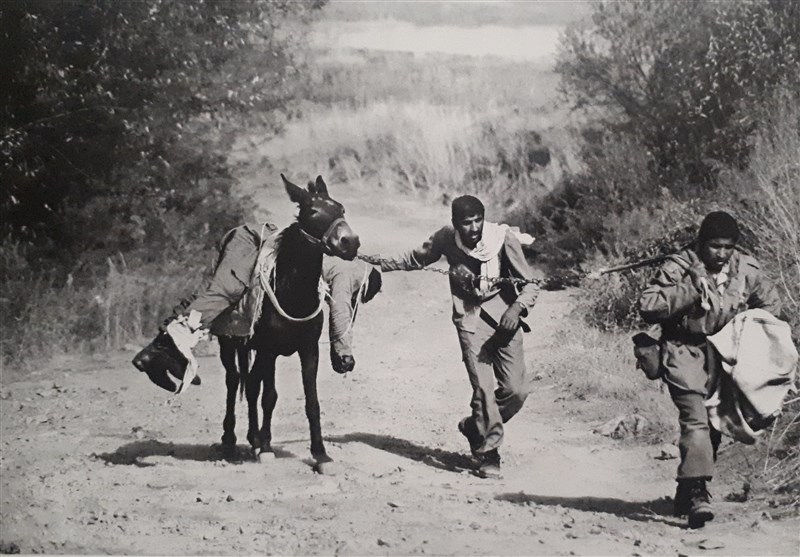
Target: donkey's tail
<point x="243" y="355"/>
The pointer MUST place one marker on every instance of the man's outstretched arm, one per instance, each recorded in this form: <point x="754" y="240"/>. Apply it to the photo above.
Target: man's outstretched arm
<point x="428" y="253"/>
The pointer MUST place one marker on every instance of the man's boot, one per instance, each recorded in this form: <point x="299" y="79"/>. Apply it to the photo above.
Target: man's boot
<point x="162" y="362"/>
<point x="490" y="465"/>
<point x="467" y="428"/>
<point x="699" y="503"/>
<point x="682" y="501"/>
<point x="168" y="360"/>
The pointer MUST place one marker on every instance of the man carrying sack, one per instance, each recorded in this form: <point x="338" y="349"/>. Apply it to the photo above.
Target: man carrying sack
<point x="693" y="296"/>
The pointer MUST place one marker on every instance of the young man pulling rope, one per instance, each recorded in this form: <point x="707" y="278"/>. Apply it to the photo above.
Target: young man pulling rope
<point x="485" y="260"/>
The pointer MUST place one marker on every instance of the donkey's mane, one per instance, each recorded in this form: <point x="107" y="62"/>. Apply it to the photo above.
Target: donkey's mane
<point x="284" y="234"/>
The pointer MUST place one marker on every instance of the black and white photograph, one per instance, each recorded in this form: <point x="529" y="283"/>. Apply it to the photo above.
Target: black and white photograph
<point x="400" y="277"/>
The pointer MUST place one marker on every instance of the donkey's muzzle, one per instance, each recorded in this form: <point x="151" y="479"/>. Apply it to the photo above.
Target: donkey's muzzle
<point x="348" y="246"/>
<point x="343" y="242"/>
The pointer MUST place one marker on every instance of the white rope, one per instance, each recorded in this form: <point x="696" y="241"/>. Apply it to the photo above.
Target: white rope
<point x="265" y="280"/>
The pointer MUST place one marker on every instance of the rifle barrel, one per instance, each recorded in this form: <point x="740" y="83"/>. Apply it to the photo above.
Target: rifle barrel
<point x="634" y="265"/>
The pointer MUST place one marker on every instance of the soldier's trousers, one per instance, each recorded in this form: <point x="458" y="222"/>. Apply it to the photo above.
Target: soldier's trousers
<point x="493" y="360"/>
<point x="231" y="276"/>
<point x="699" y="441"/>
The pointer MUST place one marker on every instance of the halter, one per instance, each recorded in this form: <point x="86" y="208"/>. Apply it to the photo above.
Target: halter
<point x="322" y="242"/>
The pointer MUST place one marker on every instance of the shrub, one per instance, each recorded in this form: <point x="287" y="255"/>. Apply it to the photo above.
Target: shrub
<point x="771" y="189"/>
<point x="112" y="131"/>
<point x="683" y="79"/>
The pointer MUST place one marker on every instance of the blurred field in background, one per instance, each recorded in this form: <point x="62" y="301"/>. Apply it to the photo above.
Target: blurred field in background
<point x="433" y="110"/>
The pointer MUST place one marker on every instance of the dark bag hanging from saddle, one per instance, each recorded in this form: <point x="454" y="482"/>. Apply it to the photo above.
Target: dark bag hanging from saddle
<point x="648" y="355"/>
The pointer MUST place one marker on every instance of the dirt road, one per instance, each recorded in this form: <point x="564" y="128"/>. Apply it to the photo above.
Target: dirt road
<point x="95" y="459"/>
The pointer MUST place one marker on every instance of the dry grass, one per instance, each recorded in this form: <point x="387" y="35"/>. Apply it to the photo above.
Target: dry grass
<point x="433" y="125"/>
<point x="124" y="307"/>
<point x="600" y="368"/>
<point x="772" y="182"/>
<point x="421" y="148"/>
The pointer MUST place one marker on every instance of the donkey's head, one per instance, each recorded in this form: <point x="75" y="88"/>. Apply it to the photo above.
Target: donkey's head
<point x="321" y="219"/>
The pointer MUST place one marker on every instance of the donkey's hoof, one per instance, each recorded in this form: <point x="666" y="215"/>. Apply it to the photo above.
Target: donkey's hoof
<point x="265" y="456"/>
<point x="229" y="451"/>
<point x="325" y="466"/>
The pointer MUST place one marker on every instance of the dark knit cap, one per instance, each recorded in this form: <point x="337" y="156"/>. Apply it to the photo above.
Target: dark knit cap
<point x="718" y="224"/>
<point x="466" y="206"/>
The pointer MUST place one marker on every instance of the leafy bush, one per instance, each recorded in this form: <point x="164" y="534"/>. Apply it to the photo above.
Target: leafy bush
<point x="770" y="187"/>
<point x="114" y="142"/>
<point x="102" y="91"/>
<point x="683" y="79"/>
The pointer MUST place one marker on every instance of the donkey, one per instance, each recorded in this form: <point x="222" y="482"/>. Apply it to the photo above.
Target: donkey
<point x="290" y="319"/>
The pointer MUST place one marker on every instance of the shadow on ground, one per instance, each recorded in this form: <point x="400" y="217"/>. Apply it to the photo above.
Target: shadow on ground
<point x="657" y="510"/>
<point x="137" y="452"/>
<point x="437" y="458"/>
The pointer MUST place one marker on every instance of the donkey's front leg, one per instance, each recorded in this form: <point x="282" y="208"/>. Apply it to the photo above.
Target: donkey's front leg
<point x="309" y="360"/>
<point x="268" y="400"/>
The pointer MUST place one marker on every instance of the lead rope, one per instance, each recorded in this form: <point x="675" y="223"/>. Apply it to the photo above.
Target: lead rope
<point x="594" y="274"/>
<point x="377" y="260"/>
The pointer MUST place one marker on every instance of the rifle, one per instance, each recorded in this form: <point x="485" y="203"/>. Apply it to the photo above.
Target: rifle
<point x="635" y="265"/>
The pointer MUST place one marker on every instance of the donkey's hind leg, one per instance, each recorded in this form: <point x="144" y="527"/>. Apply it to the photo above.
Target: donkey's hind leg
<point x="228" y="347"/>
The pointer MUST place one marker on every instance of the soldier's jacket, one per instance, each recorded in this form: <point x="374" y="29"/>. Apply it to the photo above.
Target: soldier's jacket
<point x="467" y="300"/>
<point x="672" y="301"/>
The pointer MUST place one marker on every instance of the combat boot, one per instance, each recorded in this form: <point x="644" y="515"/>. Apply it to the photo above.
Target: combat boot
<point x="682" y="501"/>
<point x="699" y="504"/>
<point x="168" y="360"/>
<point x="162" y="362"/>
<point x="467" y="428"/>
<point x="489" y="465"/>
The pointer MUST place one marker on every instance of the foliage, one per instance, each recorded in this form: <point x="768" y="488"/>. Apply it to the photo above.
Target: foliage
<point x="675" y="94"/>
<point x="100" y="101"/>
<point x="683" y="79"/>
<point x="770" y="187"/>
<point x="114" y="134"/>
<point x="609" y="209"/>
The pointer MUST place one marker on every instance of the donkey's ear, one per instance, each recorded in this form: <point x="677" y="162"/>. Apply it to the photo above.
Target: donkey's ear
<point x="296" y="193"/>
<point x="321" y="186"/>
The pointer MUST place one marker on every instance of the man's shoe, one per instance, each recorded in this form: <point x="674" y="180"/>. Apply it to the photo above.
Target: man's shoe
<point x="699" y="504"/>
<point x="490" y="465"/>
<point x="682" y="501"/>
<point x="467" y="428"/>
